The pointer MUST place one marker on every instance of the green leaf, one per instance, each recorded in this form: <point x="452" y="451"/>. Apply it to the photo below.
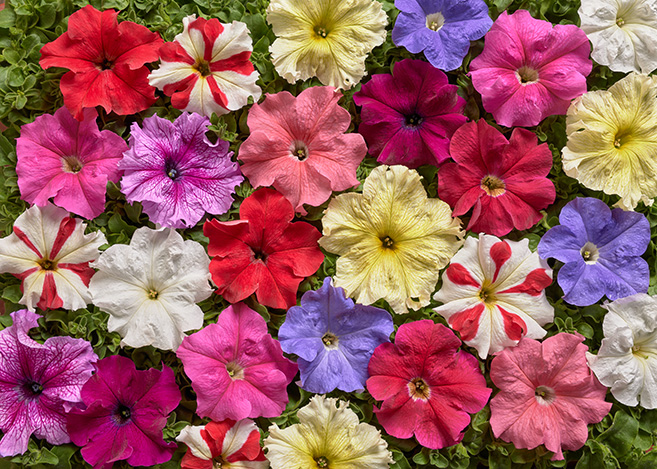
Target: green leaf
<point x="7" y="18"/>
<point x="12" y="293"/>
<point x="621" y="434"/>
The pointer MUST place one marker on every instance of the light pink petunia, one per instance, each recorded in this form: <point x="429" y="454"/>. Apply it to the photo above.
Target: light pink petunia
<point x="237" y="369"/>
<point x="60" y="157"/>
<point x="547" y="394"/>
<point x="530" y="70"/>
<point x="299" y="146"/>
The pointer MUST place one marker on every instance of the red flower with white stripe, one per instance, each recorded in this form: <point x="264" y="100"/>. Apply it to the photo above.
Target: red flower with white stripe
<point x="206" y="68"/>
<point x="49" y="252"/>
<point x="493" y="293"/>
<point x="224" y="444"/>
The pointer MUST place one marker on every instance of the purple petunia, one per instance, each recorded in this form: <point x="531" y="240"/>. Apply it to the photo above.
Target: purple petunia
<point x="39" y="383"/>
<point x="334" y="339"/>
<point x="600" y="249"/>
<point x="176" y="172"/>
<point x="442" y="29"/>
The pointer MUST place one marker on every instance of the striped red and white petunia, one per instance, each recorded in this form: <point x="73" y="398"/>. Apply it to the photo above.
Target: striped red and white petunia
<point x="206" y="68"/>
<point x="223" y="444"/>
<point x="493" y="293"/>
<point x="49" y="252"/>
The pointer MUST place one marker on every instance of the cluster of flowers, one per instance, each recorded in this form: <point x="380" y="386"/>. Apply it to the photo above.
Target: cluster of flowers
<point x="391" y="239"/>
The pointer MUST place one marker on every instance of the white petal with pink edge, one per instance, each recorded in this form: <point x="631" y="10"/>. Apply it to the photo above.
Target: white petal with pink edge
<point x="191" y="436"/>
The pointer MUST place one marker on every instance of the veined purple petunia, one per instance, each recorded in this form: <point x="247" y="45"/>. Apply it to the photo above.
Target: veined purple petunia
<point x="176" y="172"/>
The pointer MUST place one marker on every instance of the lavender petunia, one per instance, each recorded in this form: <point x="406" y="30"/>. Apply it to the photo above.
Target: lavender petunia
<point x="442" y="29"/>
<point x="39" y="383"/>
<point x="334" y="339"/>
<point x="176" y="172"/>
<point x="600" y="249"/>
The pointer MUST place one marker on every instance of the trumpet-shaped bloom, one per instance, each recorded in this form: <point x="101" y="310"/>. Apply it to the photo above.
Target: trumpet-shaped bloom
<point x="327" y="39"/>
<point x="392" y="240"/>
<point x="151" y="286"/>
<point x="623" y="33"/>
<point x="493" y="293"/>
<point x="237" y="369"/>
<point x="39" y="383"/>
<point x="530" y="69"/>
<point x="49" y="252"/>
<point x="71" y="161"/>
<point x="503" y="181"/>
<point x="547" y="394"/>
<point x="106" y="62"/>
<point x="328" y="435"/>
<point x="612" y="140"/>
<point x="409" y="116"/>
<point x="206" y="68"/>
<point x="299" y="146"/>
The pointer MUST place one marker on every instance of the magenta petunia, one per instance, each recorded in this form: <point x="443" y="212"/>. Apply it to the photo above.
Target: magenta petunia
<point x="530" y="69"/>
<point x="71" y="161"/>
<point x="176" y="172"/>
<point x="39" y="383"/>
<point x="237" y="369"/>
<point x="409" y="116"/>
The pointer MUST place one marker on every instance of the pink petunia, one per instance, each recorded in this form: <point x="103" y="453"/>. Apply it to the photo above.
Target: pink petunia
<point x="547" y="394"/>
<point x="530" y="70"/>
<point x="299" y="146"/>
<point x="237" y="369"/>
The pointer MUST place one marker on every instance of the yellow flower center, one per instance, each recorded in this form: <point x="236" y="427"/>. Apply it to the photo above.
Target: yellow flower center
<point x="203" y="67"/>
<point x="219" y="463"/>
<point x="71" y="164"/>
<point x="321" y="31"/>
<point x="322" y="462"/>
<point x="387" y="242"/>
<point x="527" y="75"/>
<point x="330" y="340"/>
<point x="435" y="21"/>
<point x="47" y="264"/>
<point x="493" y="185"/>
<point x="487" y="294"/>
<point x="620" y="21"/>
<point x="419" y="389"/>
<point x="235" y="371"/>
<point x="153" y="294"/>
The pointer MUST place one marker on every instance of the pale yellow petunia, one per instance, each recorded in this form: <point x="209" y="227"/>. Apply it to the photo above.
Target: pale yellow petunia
<point x="392" y="240"/>
<point x="612" y="140"/>
<point x="327" y="436"/>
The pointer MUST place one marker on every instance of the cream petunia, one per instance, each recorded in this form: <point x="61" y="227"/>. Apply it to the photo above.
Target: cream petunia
<point x="612" y="140"/>
<point x="327" y="39"/>
<point x="392" y="240"/>
<point x="327" y="436"/>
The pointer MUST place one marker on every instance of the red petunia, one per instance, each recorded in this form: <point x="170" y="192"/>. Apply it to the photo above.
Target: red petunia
<point x="106" y="62"/>
<point x="504" y="181"/>
<point x="263" y="252"/>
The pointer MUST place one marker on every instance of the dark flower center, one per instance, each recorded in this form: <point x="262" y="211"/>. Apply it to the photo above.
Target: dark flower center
<point x="203" y="68"/>
<point x="122" y="414"/>
<point x="419" y="389"/>
<point x="258" y="255"/>
<point x="527" y="75"/>
<point x="330" y="340"/>
<point x="299" y="150"/>
<point x="33" y="389"/>
<point x="493" y="185"/>
<point x="413" y="120"/>
<point x="171" y="170"/>
<point x="219" y="463"/>
<point x="387" y="242"/>
<point x="487" y="294"/>
<point x="47" y="264"/>
<point x="321" y="31"/>
<point x="153" y="294"/>
<point x="105" y="64"/>
<point x="322" y="462"/>
<point x="545" y="395"/>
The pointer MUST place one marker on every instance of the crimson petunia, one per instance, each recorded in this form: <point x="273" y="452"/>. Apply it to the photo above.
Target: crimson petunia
<point x="263" y="252"/>
<point x="106" y="62"/>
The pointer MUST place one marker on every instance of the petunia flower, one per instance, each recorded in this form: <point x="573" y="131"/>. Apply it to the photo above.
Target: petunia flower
<point x="328" y="435"/>
<point x="327" y="39"/>
<point x="263" y="252"/>
<point x="530" y="69"/>
<point x="409" y="116"/>
<point x="334" y="339"/>
<point x="428" y="387"/>
<point x="176" y="172"/>
<point x="126" y="411"/>
<point x="493" y="293"/>
<point x="612" y="138"/>
<point x="206" y="69"/>
<point x="106" y="62"/>
<point x="237" y="369"/>
<point x="547" y="394"/>
<point x="222" y="444"/>
<point x="600" y="249"/>
<point x="442" y="29"/>
<point x="392" y="240"/>
<point x="627" y="359"/>
<point x="151" y="286"/>
<point x="39" y="383"/>
<point x="503" y="181"/>
<point x="49" y="252"/>
<point x="71" y="161"/>
<point x="623" y="33"/>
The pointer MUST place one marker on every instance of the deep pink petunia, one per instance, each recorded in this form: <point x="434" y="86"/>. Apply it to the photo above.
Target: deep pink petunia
<point x="299" y="146"/>
<point x="60" y="157"/>
<point x="408" y="117"/>
<point x="106" y="62"/>
<point x="504" y="181"/>
<point x="547" y="394"/>
<point x="428" y="387"/>
<point x="237" y="369"/>
<point x="530" y="70"/>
